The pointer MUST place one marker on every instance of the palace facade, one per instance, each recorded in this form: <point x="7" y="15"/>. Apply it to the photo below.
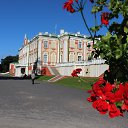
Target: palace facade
<point x="45" y="51"/>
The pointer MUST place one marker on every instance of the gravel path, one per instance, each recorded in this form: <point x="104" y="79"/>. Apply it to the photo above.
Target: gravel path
<point x="45" y="105"/>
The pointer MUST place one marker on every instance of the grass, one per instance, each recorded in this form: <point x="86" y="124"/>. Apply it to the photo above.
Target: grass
<point x="44" y="78"/>
<point x="75" y="82"/>
<point x="7" y="75"/>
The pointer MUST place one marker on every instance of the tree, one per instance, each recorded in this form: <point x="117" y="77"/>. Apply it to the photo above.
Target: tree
<point x="6" y="61"/>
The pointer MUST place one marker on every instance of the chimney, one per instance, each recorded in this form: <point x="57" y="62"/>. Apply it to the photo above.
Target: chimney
<point x="61" y="31"/>
<point x="46" y="33"/>
<point x="78" y="33"/>
<point x="40" y="33"/>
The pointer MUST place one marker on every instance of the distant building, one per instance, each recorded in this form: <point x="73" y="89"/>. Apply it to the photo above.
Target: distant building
<point x="46" y="51"/>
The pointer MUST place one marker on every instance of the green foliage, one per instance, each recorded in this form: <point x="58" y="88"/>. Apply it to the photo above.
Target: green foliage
<point x="75" y="82"/>
<point x="96" y="9"/>
<point x="44" y="78"/>
<point x="6" y="61"/>
<point x="95" y="28"/>
<point x="113" y="47"/>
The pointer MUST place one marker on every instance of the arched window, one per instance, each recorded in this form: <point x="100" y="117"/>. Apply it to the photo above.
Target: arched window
<point x="53" y="58"/>
<point x="71" y="57"/>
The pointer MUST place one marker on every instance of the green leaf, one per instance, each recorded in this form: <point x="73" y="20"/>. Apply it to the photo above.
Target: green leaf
<point x="119" y="104"/>
<point x="126" y="29"/>
<point x="96" y="9"/>
<point x="95" y="28"/>
<point x="102" y="55"/>
<point x="118" y="53"/>
<point x="106" y="38"/>
<point x="108" y="54"/>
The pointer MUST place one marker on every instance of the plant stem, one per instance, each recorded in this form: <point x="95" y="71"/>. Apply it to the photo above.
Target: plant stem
<point x="82" y="79"/>
<point x="95" y="23"/>
<point x="81" y="11"/>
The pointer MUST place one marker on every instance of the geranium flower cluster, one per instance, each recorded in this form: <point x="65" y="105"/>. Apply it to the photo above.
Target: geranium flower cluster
<point x="77" y="5"/>
<point x="76" y="72"/>
<point x="105" y="18"/>
<point x="111" y="98"/>
<point x="69" y="5"/>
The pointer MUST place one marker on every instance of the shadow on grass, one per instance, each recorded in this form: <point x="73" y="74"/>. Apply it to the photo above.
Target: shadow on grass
<point x="13" y="78"/>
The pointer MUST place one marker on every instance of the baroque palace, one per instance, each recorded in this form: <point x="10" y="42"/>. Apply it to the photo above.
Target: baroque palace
<point x="50" y="54"/>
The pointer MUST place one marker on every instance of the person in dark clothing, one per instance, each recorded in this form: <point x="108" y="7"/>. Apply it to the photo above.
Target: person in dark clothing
<point x="33" y="77"/>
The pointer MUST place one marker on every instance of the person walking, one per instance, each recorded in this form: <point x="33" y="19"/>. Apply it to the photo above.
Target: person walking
<point x="33" y="77"/>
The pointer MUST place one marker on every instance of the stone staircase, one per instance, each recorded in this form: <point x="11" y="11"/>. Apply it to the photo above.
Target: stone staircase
<point x="56" y="78"/>
<point x="55" y="71"/>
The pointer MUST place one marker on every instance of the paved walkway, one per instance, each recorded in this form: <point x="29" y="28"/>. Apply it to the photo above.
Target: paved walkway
<point x="43" y="105"/>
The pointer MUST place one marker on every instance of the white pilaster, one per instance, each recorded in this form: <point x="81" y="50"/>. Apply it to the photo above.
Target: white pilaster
<point x="58" y="52"/>
<point x="65" y="52"/>
<point x="39" y="54"/>
<point x="85" y="51"/>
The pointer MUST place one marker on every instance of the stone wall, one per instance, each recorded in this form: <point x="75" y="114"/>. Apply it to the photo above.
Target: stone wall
<point x="94" y="70"/>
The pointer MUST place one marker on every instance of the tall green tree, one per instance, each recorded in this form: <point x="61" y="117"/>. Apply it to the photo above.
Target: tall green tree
<point x="6" y="61"/>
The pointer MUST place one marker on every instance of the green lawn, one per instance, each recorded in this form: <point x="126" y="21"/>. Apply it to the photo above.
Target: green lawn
<point x="75" y="82"/>
<point x="44" y="78"/>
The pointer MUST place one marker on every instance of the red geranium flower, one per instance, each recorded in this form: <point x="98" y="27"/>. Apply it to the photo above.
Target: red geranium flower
<point x="101" y="106"/>
<point x="126" y="91"/>
<point x="76" y="72"/>
<point x="92" y="98"/>
<point x="104" y="98"/>
<point x="125" y="96"/>
<point x="107" y="88"/>
<point x="100" y="81"/>
<point x="114" y="111"/>
<point x="119" y="93"/>
<point x="68" y="6"/>
<point x="97" y="87"/>
<point x="104" y="18"/>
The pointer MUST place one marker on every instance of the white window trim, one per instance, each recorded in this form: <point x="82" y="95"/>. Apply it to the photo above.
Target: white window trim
<point x="45" y="44"/>
<point x="79" y="44"/>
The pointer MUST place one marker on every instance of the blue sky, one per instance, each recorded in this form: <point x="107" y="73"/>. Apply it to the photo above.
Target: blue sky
<point x="20" y="17"/>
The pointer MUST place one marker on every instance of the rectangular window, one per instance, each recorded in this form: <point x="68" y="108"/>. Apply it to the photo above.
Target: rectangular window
<point x="89" y="45"/>
<point x="80" y="45"/>
<point x="45" y="44"/>
<point x="45" y="58"/>
<point x="79" y="58"/>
